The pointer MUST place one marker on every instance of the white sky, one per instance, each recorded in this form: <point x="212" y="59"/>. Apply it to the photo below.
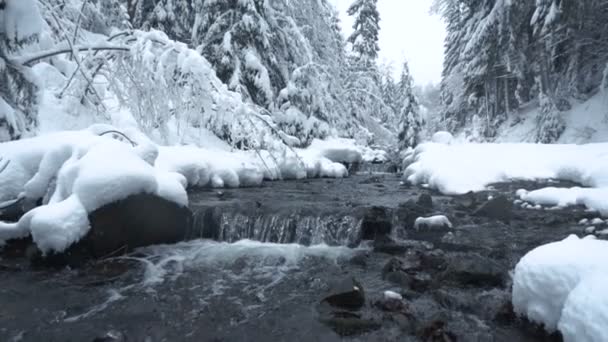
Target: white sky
<point x="407" y="31"/>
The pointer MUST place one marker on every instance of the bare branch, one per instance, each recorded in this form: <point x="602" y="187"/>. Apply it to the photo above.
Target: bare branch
<point x="28" y="60"/>
<point x="119" y="133"/>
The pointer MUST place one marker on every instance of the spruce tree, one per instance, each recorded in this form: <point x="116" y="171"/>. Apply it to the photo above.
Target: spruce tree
<point x="410" y="121"/>
<point x="364" y="38"/>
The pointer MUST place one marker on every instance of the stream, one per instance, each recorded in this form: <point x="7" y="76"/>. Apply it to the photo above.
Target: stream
<point x="280" y="262"/>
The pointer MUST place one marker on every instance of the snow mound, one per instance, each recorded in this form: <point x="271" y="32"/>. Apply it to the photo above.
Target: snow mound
<point x="76" y="173"/>
<point x="460" y="168"/>
<point x="585" y="314"/>
<point x="562" y="286"/>
<point x="337" y="150"/>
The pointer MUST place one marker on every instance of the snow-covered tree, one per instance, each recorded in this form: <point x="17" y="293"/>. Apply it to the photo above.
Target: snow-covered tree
<point x="496" y="50"/>
<point x="366" y="28"/>
<point x="410" y="123"/>
<point x="20" y="28"/>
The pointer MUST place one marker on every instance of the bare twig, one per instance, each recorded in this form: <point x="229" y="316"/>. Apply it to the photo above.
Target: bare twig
<point x="51" y="53"/>
<point x="84" y="3"/>
<point x="4" y="164"/>
<point x="119" y="133"/>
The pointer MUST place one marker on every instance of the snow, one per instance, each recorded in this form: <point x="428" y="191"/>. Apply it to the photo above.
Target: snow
<point x="391" y="295"/>
<point x="442" y="138"/>
<point x="20" y="19"/>
<point x="78" y="172"/>
<point x="585" y="312"/>
<point x="585" y="123"/>
<point x="438" y="221"/>
<point x="562" y="286"/>
<point x="458" y="168"/>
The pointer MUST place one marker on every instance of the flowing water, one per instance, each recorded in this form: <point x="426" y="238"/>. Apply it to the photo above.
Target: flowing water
<point x="261" y="260"/>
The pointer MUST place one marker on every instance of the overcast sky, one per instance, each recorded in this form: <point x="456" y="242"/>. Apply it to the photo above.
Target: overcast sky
<point x="407" y="30"/>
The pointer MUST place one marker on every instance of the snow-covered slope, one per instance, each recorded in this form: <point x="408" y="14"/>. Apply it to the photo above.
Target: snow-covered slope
<point x="585" y="122"/>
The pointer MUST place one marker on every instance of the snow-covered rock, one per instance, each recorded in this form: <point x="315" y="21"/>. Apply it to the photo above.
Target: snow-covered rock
<point x="438" y="221"/>
<point x="76" y="173"/>
<point x="549" y="282"/>
<point x="442" y="138"/>
<point x="585" y="314"/>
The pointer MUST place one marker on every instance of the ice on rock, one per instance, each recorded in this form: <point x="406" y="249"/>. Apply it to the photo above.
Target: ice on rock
<point x="548" y="282"/>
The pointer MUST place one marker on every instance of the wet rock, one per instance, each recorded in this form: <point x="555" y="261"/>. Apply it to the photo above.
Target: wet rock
<point x="467" y="201"/>
<point x="408" y="212"/>
<point x="346" y="294"/>
<point x="410" y="263"/>
<point x="436" y="331"/>
<point x="421" y="282"/>
<point x="394" y="271"/>
<point x="498" y="208"/>
<point x="425" y="201"/>
<point x="348" y="324"/>
<point x="137" y="221"/>
<point x="111" y="336"/>
<point x="376" y="223"/>
<point x="474" y="270"/>
<point x="360" y="259"/>
<point x="486" y="305"/>
<point x="385" y="244"/>
<point x="433" y="260"/>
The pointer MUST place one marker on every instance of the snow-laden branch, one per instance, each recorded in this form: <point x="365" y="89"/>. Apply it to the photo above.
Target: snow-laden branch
<point x="27" y="60"/>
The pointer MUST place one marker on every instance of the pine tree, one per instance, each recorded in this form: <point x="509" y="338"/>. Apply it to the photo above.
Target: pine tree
<point x="410" y="121"/>
<point x="364" y="38"/>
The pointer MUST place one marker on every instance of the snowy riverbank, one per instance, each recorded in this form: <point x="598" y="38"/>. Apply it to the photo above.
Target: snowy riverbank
<point x="78" y="172"/>
<point x="559" y="285"/>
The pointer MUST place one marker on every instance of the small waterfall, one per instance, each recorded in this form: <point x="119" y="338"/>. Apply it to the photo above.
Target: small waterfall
<point x="232" y="226"/>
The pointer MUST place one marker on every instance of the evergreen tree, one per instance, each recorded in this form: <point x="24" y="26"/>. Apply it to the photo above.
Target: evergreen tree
<point x="410" y="121"/>
<point x="502" y="54"/>
<point x="364" y="38"/>
<point x="20" y="28"/>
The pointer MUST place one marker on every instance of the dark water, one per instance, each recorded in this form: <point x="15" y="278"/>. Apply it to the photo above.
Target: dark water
<point x="300" y="239"/>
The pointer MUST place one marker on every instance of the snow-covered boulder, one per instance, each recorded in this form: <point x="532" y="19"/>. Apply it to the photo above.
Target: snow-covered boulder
<point x="433" y="222"/>
<point x="76" y="173"/>
<point x="585" y="314"/>
<point x="562" y="286"/>
<point x="442" y="138"/>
